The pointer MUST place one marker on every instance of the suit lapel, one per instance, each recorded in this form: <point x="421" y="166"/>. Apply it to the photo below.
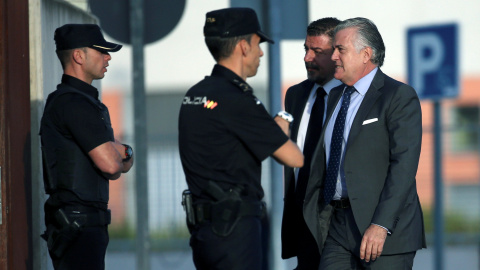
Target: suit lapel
<point x="298" y="108"/>
<point x="297" y="105"/>
<point x="333" y="99"/>
<point x="371" y="96"/>
<point x="318" y="159"/>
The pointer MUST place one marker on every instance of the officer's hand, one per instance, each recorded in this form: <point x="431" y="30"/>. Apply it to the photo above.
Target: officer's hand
<point x="283" y="124"/>
<point x="120" y="148"/>
<point x="127" y="165"/>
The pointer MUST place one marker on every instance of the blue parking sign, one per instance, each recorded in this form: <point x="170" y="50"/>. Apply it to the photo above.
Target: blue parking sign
<point x="433" y="61"/>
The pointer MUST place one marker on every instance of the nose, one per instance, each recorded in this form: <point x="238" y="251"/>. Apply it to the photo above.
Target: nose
<point x="309" y="56"/>
<point x="334" y="55"/>
<point x="261" y="52"/>
<point x="108" y="57"/>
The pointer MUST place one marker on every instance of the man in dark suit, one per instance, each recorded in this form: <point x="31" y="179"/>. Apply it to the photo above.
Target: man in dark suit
<point x="302" y="101"/>
<point x="361" y="201"/>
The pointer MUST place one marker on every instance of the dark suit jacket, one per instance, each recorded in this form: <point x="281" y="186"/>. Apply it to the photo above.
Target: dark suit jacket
<point x="381" y="160"/>
<point x="295" y="101"/>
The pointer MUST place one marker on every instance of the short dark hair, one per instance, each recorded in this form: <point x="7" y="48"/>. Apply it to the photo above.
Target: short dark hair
<point x="64" y="55"/>
<point x="367" y="36"/>
<point x="324" y="26"/>
<point x="222" y="48"/>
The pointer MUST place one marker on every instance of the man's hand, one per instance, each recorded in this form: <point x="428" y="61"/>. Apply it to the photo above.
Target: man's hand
<point x="120" y="148"/>
<point x="127" y="165"/>
<point x="372" y="243"/>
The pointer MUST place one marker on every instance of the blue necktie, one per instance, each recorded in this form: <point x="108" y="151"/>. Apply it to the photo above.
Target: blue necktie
<point x="336" y="147"/>
<point x="314" y="129"/>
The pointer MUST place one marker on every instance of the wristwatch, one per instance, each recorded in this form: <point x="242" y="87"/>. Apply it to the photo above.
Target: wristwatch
<point x="128" y="152"/>
<point x="288" y="117"/>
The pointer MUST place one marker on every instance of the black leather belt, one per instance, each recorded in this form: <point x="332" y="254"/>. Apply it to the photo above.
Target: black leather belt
<point x="342" y="203"/>
<point x="203" y="210"/>
<point x="88" y="216"/>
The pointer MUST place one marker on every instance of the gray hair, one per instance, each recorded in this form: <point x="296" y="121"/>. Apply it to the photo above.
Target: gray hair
<point x="367" y="36"/>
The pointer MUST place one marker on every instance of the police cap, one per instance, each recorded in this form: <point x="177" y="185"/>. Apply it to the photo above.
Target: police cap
<point x="233" y="22"/>
<point x="72" y="36"/>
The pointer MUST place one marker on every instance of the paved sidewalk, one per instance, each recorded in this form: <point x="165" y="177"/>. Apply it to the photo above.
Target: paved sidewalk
<point x="456" y="258"/>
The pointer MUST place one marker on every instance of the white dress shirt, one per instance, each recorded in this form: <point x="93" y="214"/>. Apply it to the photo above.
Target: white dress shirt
<point x="302" y="128"/>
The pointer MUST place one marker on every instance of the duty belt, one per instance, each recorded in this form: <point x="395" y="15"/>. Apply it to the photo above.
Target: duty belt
<point x="88" y="216"/>
<point x="203" y="210"/>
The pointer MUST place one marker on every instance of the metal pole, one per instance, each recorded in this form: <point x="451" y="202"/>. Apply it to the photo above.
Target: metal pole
<point x="438" y="205"/>
<point x="141" y="177"/>
<point x="276" y="187"/>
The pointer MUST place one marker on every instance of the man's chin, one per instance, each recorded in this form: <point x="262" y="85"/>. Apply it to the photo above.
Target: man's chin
<point x="99" y="77"/>
<point x="338" y="75"/>
<point x="317" y="80"/>
<point x="311" y="76"/>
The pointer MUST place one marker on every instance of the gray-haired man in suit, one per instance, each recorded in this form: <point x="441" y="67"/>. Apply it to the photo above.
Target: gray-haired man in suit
<point x="361" y="201"/>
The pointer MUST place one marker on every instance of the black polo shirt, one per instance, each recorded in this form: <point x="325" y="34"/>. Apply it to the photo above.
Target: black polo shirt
<point x="78" y="118"/>
<point x="225" y="133"/>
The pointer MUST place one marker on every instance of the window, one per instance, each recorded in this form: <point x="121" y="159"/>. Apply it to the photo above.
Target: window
<point x="466" y="126"/>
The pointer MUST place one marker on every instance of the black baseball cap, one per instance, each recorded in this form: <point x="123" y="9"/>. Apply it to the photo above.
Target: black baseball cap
<point x="233" y="22"/>
<point x="72" y="36"/>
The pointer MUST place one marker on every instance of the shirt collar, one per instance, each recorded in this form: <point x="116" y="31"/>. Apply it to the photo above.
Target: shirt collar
<point x="364" y="83"/>
<point x="328" y="86"/>
<point x="221" y="71"/>
<point x="80" y="85"/>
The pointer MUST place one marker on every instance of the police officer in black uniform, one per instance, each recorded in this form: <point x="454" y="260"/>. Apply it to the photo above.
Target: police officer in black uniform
<point x="225" y="133"/>
<point x="80" y="153"/>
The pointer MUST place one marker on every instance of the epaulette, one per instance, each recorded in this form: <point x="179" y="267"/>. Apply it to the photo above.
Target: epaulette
<point x="243" y="85"/>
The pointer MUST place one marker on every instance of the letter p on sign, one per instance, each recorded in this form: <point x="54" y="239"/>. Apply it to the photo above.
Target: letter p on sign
<point x="433" y="61"/>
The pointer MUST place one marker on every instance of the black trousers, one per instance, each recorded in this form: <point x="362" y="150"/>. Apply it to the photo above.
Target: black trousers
<point x="243" y="249"/>
<point x="86" y="252"/>
<point x="342" y="248"/>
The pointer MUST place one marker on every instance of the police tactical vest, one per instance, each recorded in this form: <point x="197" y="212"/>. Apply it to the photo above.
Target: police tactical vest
<point x="65" y="165"/>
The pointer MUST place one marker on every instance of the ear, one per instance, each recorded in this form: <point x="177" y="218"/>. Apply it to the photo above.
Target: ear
<point x="367" y="54"/>
<point x="78" y="56"/>
<point x="244" y="46"/>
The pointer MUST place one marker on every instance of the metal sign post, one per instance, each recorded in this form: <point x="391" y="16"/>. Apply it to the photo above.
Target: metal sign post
<point x="433" y="72"/>
<point x="141" y="176"/>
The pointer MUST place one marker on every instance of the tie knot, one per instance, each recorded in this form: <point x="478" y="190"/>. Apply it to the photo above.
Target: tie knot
<point x="349" y="90"/>
<point x="321" y="92"/>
